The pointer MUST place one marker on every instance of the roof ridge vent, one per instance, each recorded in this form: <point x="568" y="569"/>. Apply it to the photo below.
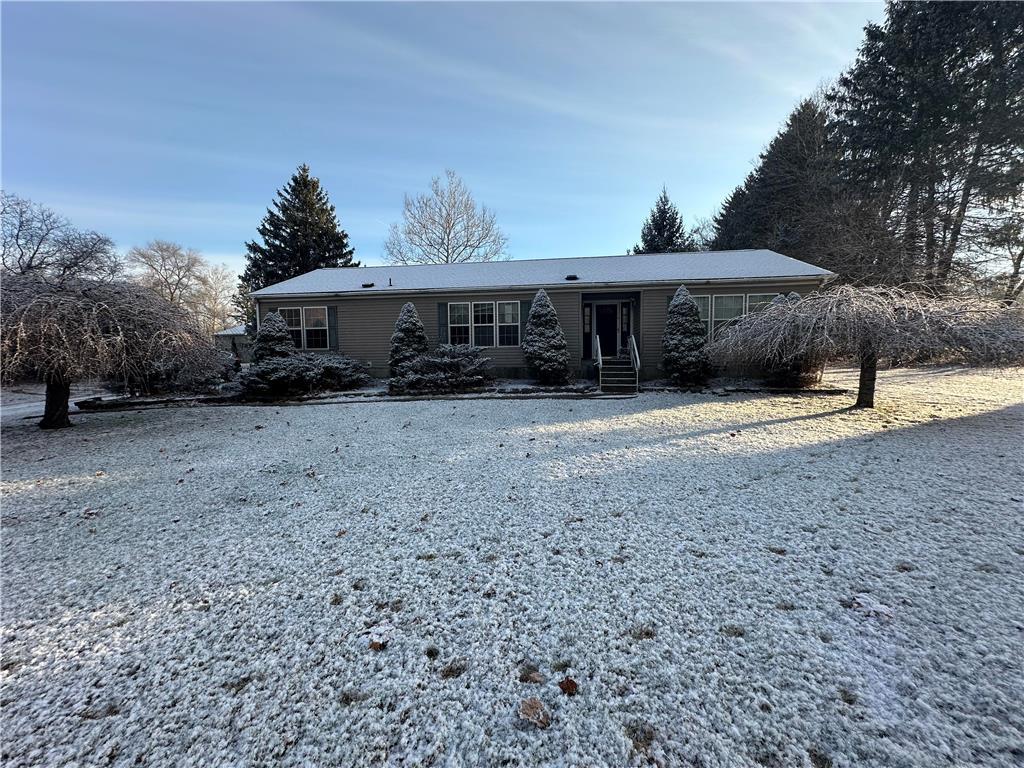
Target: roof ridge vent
<point x="572" y="277"/>
<point x="367" y="285"/>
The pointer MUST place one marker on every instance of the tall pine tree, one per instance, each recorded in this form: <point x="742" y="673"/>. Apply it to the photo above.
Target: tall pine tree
<point x="300" y="233"/>
<point x="664" y="232"/>
<point x="785" y="204"/>
<point x="930" y="125"/>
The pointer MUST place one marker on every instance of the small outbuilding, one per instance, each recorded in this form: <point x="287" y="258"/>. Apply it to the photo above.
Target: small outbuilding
<point x="236" y="341"/>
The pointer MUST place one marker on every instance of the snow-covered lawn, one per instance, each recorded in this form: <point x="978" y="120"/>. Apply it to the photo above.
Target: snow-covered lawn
<point x="731" y="581"/>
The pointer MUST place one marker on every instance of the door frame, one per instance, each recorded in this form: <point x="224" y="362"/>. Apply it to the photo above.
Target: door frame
<point x="618" y="326"/>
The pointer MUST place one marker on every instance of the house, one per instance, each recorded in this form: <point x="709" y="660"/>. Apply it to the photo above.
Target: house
<point x="615" y="304"/>
<point x="236" y="341"/>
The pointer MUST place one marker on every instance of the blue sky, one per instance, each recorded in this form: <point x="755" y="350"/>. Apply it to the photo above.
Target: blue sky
<point x="179" y="121"/>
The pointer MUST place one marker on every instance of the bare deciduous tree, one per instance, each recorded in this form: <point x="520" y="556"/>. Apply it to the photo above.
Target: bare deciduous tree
<point x="86" y="328"/>
<point x="212" y="302"/>
<point x="184" y="278"/>
<point x="876" y="324"/>
<point x="445" y="227"/>
<point x="37" y="240"/>
<point x="168" y="269"/>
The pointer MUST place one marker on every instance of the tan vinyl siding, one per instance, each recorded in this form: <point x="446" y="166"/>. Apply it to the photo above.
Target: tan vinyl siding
<point x="361" y="326"/>
<point x="366" y="325"/>
<point x="654" y="309"/>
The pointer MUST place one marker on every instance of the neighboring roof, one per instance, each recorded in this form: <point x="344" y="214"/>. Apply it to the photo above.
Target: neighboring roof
<point x="535" y="273"/>
<point x="238" y="330"/>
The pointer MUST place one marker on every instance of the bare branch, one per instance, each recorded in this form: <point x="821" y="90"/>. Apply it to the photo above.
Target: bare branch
<point x="445" y="227"/>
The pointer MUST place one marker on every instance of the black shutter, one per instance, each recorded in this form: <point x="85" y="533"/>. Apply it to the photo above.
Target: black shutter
<point x="442" y="322"/>
<point x="333" y="331"/>
<point x="524" y="315"/>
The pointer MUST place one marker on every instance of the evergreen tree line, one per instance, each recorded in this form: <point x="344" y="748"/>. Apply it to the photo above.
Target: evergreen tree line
<point x="908" y="171"/>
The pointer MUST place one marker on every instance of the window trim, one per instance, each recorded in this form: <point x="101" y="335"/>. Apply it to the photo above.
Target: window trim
<point x="468" y="325"/>
<point x="301" y="327"/>
<point x="291" y="328"/>
<point x="498" y="325"/>
<point x="714" y="303"/>
<point x="326" y="329"/>
<point x="493" y="325"/>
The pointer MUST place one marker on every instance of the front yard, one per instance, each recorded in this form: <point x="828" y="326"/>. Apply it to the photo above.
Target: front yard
<point x="730" y="581"/>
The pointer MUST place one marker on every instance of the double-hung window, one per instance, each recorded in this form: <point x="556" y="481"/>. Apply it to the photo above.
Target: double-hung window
<point x="508" y="323"/>
<point x="727" y="309"/>
<point x="292" y="317"/>
<point x="458" y="323"/>
<point x="314" y="325"/>
<point x="758" y="301"/>
<point x="483" y="323"/>
<point x="307" y="326"/>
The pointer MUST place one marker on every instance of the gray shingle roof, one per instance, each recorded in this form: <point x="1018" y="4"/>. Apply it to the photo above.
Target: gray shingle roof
<point x="238" y="330"/>
<point x="535" y="273"/>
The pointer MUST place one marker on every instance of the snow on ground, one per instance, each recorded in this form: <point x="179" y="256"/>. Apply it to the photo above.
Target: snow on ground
<point x="731" y="581"/>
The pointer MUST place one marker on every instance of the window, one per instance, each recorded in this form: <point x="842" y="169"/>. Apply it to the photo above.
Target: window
<point x="587" y="308"/>
<point x="758" y="301"/>
<point x="293" y="319"/>
<point x="314" y="321"/>
<point x="458" y="323"/>
<point x="483" y="323"/>
<point x="508" y="323"/>
<point x="307" y="326"/>
<point x="727" y="310"/>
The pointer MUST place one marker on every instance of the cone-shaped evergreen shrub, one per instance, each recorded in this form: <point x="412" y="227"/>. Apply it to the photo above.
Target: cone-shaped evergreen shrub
<point x="409" y="341"/>
<point x="544" y="342"/>
<point x="685" y="359"/>
<point x="272" y="339"/>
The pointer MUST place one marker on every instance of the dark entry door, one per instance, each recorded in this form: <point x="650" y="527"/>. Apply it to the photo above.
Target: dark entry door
<point x="606" y="318"/>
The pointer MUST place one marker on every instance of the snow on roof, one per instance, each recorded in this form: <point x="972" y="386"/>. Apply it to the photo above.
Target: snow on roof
<point x="238" y="330"/>
<point x="532" y="273"/>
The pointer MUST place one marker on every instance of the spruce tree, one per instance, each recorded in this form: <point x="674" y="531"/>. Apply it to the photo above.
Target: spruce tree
<point x="663" y="232"/>
<point x="930" y="125"/>
<point x="299" y="233"/>
<point x="409" y="341"/>
<point x="272" y="339"/>
<point x="785" y="204"/>
<point x="544" y="342"/>
<point x="683" y="343"/>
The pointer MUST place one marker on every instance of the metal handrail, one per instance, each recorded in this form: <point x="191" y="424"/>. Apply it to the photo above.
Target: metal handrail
<point x="598" y="361"/>
<point x="634" y="353"/>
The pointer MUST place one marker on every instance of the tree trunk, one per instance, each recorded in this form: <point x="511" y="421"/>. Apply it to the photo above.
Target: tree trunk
<point x="868" y="376"/>
<point x="58" y="392"/>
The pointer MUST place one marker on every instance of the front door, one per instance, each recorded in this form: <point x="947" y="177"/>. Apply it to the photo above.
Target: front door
<point x="606" y="327"/>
